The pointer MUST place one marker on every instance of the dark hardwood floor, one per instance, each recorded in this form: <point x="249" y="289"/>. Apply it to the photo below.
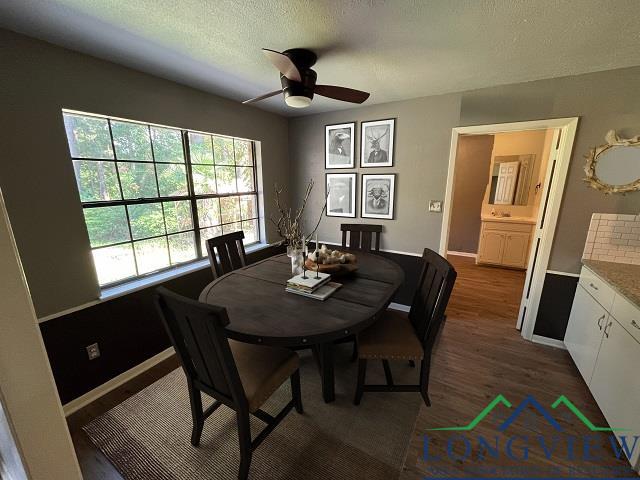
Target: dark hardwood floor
<point x="479" y="355"/>
<point x="93" y="463"/>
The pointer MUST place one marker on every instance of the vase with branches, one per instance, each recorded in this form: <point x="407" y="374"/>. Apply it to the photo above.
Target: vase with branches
<point x="291" y="229"/>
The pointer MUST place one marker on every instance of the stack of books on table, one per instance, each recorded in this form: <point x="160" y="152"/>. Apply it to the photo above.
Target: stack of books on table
<point x="313" y="285"/>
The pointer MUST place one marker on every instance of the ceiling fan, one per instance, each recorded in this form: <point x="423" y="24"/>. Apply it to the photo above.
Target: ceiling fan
<point x="299" y="80"/>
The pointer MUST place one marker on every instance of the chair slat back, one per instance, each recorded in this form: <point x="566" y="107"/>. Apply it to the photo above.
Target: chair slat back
<point x="432" y="296"/>
<point x="197" y="331"/>
<point x="362" y="236"/>
<point x="226" y="253"/>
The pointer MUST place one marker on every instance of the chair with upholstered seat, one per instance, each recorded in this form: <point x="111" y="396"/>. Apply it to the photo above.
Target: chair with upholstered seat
<point x="239" y="375"/>
<point x="226" y="253"/>
<point x="361" y="236"/>
<point x="397" y="336"/>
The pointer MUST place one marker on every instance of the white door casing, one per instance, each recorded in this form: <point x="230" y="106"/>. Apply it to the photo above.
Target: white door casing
<point x="29" y="394"/>
<point x="557" y="168"/>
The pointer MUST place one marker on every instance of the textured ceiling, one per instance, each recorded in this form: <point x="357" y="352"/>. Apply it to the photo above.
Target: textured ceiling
<point x="394" y="49"/>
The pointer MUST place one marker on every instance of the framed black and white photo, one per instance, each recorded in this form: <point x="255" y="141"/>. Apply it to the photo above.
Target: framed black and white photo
<point x="339" y="145"/>
<point x="341" y="194"/>
<point x="378" y="193"/>
<point x="377" y="143"/>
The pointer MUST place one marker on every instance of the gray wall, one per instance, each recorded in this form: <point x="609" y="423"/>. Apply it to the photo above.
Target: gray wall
<point x="423" y="135"/>
<point x="36" y="174"/>
<point x="39" y="79"/>
<point x="603" y="101"/>
<point x="473" y="161"/>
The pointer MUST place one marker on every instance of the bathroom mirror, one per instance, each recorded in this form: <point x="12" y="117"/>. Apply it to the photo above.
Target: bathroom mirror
<point x="615" y="166"/>
<point x="511" y="179"/>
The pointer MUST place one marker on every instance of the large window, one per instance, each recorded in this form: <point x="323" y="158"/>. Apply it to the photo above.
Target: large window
<point x="152" y="195"/>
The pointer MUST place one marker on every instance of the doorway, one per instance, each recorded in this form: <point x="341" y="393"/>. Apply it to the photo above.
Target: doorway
<point x="520" y="202"/>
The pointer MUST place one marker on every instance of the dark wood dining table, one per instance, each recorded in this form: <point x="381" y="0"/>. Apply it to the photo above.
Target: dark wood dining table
<point x="262" y="312"/>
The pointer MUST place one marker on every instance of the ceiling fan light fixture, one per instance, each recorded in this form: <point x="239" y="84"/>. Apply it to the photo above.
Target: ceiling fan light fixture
<point x="298" y="80"/>
<point x="297" y="101"/>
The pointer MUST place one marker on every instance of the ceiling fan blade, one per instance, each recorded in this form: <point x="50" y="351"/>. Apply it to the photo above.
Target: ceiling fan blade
<point x="283" y="64"/>
<point x="341" y="93"/>
<point x="262" y="97"/>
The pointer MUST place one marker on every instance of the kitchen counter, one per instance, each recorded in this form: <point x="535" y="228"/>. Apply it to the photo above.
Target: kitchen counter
<point x="623" y="277"/>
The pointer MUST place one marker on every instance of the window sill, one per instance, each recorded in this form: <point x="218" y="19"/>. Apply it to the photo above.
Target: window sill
<point x="129" y="287"/>
<point x="126" y="288"/>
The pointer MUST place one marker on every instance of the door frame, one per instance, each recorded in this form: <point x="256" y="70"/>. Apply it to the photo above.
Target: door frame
<point x="27" y="388"/>
<point x="554" y="185"/>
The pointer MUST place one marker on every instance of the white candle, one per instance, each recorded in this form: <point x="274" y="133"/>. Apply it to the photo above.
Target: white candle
<point x="317" y="246"/>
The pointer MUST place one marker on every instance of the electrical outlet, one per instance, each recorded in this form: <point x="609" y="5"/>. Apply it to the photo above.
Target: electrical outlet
<point x="93" y="351"/>
<point x="435" y="206"/>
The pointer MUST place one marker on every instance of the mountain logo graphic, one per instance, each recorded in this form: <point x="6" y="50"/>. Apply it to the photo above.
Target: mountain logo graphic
<point x="529" y="401"/>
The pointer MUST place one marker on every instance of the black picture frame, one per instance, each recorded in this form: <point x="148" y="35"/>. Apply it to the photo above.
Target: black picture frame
<point x="328" y="144"/>
<point x="364" y="204"/>
<point x="330" y="211"/>
<point x="365" y="149"/>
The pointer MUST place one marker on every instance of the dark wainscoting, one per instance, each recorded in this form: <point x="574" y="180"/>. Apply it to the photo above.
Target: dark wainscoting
<point x="126" y="328"/>
<point x="129" y="331"/>
<point x="555" y="305"/>
<point x="411" y="265"/>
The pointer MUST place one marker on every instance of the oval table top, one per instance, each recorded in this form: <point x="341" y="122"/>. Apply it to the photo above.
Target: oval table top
<point x="260" y="311"/>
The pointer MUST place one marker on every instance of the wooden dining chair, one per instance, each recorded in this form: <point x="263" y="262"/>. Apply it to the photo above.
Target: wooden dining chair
<point x="396" y="336"/>
<point x="361" y="236"/>
<point x="226" y="253"/>
<point x="239" y="375"/>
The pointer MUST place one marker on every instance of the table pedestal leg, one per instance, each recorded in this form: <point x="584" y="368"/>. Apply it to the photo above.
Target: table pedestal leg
<point x="324" y="356"/>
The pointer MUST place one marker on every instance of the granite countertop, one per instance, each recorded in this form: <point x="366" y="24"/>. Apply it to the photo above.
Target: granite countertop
<point x="623" y="277"/>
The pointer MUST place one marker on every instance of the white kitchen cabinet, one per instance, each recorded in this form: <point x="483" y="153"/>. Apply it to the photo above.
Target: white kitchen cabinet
<point x="604" y="341"/>
<point x="584" y="331"/>
<point x="615" y="384"/>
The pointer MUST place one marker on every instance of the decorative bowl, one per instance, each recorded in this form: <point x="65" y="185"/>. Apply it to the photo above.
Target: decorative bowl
<point x="334" y="269"/>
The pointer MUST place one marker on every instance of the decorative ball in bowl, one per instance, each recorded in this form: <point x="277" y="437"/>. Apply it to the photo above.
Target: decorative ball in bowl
<point x="333" y="262"/>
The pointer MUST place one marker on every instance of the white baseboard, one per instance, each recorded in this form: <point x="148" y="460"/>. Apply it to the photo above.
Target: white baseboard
<point x="91" y="396"/>
<point x="550" y="342"/>
<point x="462" y="254"/>
<point x="400" y="307"/>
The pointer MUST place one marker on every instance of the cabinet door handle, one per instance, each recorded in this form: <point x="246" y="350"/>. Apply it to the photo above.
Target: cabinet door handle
<point x="606" y="331"/>
<point x="600" y="321"/>
<point x="593" y="286"/>
<point x="635" y="324"/>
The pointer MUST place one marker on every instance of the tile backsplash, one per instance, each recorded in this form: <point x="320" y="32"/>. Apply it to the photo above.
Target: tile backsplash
<point x="613" y="238"/>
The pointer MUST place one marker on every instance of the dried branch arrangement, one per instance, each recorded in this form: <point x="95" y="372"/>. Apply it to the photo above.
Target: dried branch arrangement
<point x="289" y="223"/>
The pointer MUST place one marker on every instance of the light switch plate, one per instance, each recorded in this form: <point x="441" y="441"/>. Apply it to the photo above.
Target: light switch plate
<point x="435" y="206"/>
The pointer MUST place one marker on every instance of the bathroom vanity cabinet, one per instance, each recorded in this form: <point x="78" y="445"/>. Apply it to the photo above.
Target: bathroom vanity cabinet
<point x="505" y="241"/>
<point x="603" y="338"/>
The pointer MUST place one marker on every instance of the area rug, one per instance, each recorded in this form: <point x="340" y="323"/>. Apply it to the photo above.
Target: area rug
<point x="147" y="436"/>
